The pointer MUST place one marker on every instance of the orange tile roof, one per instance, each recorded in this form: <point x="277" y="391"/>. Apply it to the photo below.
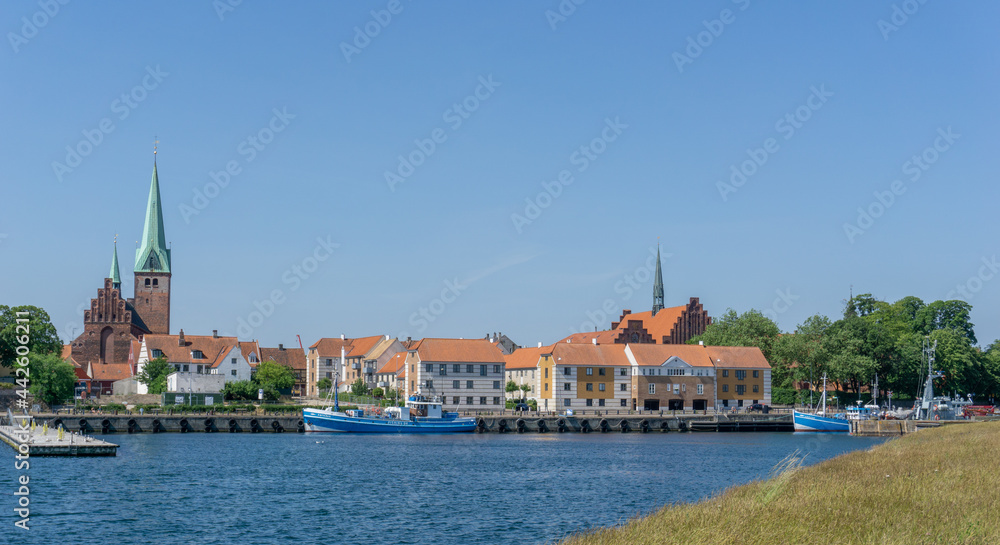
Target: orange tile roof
<point x="395" y="363"/>
<point x="111" y="371"/>
<point x="590" y="354"/>
<point x="587" y="337"/>
<point x="360" y="347"/>
<point x="330" y="346"/>
<point x="289" y="357"/>
<point x="658" y="326"/>
<point x="656" y="354"/>
<point x="738" y="356"/>
<point x="526" y="358"/>
<point x="213" y="348"/>
<point x="458" y="350"/>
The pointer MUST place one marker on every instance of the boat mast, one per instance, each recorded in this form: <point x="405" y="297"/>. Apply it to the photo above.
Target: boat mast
<point x="824" y="395"/>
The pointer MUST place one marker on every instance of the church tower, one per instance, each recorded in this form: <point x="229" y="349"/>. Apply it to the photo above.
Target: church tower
<point x="152" y="266"/>
<point x="658" y="285"/>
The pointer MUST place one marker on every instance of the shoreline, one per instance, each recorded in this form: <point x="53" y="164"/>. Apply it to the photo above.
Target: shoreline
<point x="935" y="486"/>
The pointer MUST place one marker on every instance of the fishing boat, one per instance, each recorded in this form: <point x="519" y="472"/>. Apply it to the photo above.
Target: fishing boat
<point x="420" y="415"/>
<point x="820" y="421"/>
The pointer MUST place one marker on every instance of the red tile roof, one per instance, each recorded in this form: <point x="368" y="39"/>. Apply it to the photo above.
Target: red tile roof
<point x="590" y="354"/>
<point x="603" y="337"/>
<point x="458" y="350"/>
<point x="289" y="357"/>
<point x="361" y="347"/>
<point x="111" y="371"/>
<point x="213" y="348"/>
<point x="656" y="354"/>
<point x="658" y="326"/>
<point x="526" y="358"/>
<point x="330" y="346"/>
<point x="748" y="357"/>
<point x="395" y="363"/>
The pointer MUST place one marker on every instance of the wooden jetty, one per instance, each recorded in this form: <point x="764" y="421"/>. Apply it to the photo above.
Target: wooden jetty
<point x="41" y="440"/>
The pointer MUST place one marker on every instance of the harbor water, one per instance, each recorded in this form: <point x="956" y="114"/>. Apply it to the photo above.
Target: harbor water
<point x="439" y="489"/>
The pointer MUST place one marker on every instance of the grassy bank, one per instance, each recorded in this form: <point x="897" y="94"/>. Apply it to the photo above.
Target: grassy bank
<point x="935" y="486"/>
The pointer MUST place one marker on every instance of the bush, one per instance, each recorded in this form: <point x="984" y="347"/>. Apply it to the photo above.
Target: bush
<point x="113" y="407"/>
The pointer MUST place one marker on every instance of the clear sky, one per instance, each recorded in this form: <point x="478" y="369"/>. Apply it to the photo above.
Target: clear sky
<point x="500" y="165"/>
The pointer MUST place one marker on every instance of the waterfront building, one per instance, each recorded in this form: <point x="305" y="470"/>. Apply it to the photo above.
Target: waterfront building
<point x="671" y="377"/>
<point x="587" y="376"/>
<point x="294" y="359"/>
<point x="743" y="375"/>
<point x="391" y="375"/>
<point x="188" y="382"/>
<point x="467" y="374"/>
<point x="199" y="354"/>
<point x="503" y="342"/>
<point x="521" y="367"/>
<point x="350" y="358"/>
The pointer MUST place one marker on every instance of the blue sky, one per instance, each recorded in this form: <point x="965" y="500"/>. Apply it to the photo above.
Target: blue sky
<point x="542" y="156"/>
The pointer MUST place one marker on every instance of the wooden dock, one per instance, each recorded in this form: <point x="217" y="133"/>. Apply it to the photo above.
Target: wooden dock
<point x="43" y="441"/>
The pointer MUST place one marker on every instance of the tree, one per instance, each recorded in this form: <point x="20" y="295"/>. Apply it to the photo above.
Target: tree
<point x="154" y="375"/>
<point x="51" y="378"/>
<point x="324" y="384"/>
<point x="359" y="388"/>
<point x="378" y="392"/>
<point x="240" y="390"/>
<point x="272" y="373"/>
<point x="799" y="357"/>
<point x="953" y="315"/>
<point x="748" y="329"/>
<point x="863" y="305"/>
<point x="525" y="388"/>
<point x="38" y="331"/>
<point x="511" y="387"/>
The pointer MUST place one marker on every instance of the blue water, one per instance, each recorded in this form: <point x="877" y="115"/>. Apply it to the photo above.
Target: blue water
<point x="445" y="490"/>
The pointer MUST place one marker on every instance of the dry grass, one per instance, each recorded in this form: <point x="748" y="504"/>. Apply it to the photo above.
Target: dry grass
<point x="936" y="486"/>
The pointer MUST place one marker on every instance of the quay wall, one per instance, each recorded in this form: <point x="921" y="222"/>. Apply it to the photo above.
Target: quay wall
<point x="183" y="423"/>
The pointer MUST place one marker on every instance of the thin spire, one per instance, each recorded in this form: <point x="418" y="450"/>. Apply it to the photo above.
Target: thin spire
<point x="115" y="275"/>
<point x="658" y="283"/>
<point x="153" y="254"/>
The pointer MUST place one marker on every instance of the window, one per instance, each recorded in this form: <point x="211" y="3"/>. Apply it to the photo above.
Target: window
<point x="482" y="400"/>
<point x="675" y="372"/>
<point x="740" y="375"/>
<point x="429" y="384"/>
<point x="566" y="386"/>
<point x="623" y="371"/>
<point x="197" y="355"/>
<point x="600" y="387"/>
<point x="652" y="388"/>
<point x="755" y="389"/>
<point x="624" y="387"/>
<point x="430" y="367"/>
<point x="329" y="361"/>
<point x="233" y="372"/>
<point x="456" y="384"/>
<point x="496" y="368"/>
<point x="590" y="386"/>
<point x="185" y="368"/>
<point x="546" y="386"/>
<point x="546" y="372"/>
<point x="601" y="371"/>
<point x="741" y="389"/>
<point x="496" y="400"/>
<point x="455" y="400"/>
<point x="624" y="403"/>
<point x="233" y="361"/>
<point x="147" y="283"/>
<point x="600" y="402"/>
<point x="677" y="388"/>
<point x="496" y="384"/>
<point x="468" y="369"/>
<point x="468" y="400"/>
<point x="457" y="368"/>
<point x="199" y="370"/>
<point x="566" y="402"/>
<point x="590" y="402"/>
<point x="567" y="371"/>
<point x="157" y="353"/>
<point x="468" y="384"/>
<point x="701" y="389"/>
<point x="444" y="370"/>
<point x="725" y="372"/>
<point x="590" y="371"/>
<point x="725" y="387"/>
<point x="482" y="370"/>
<point x="756" y="374"/>
<point x="411" y="385"/>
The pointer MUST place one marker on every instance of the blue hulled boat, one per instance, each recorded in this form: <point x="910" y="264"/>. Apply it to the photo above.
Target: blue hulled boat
<point x="421" y="415"/>
<point x="820" y="421"/>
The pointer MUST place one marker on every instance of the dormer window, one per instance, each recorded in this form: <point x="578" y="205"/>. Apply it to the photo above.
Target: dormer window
<point x="253" y="358"/>
<point x="157" y="353"/>
<point x="197" y="355"/>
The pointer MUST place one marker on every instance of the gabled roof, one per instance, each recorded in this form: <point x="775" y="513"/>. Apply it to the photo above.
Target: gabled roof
<point x="526" y="358"/>
<point x="748" y="357"/>
<point x="289" y="357"/>
<point x="250" y="347"/>
<point x="330" y="346"/>
<point x="603" y="337"/>
<point x="657" y="354"/>
<point x="111" y="371"/>
<point x="396" y="363"/>
<point x="658" y="326"/>
<point x="458" y="350"/>
<point x="361" y="347"/>
<point x="590" y="354"/>
<point x="213" y="348"/>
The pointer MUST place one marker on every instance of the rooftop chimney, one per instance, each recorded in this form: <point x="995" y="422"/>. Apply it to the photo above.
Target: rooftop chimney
<point x="341" y="336"/>
<point x="281" y="346"/>
<point x="701" y="343"/>
<point x="595" y="340"/>
<point x="180" y="338"/>
<point x="215" y="333"/>
<point x="539" y="344"/>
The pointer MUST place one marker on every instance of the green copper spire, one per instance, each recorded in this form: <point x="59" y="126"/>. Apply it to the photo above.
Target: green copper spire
<point x="658" y="284"/>
<point x="153" y="255"/>
<point x="115" y="276"/>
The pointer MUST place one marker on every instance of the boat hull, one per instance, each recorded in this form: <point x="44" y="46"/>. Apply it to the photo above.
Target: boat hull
<point x="331" y="422"/>
<point x="812" y="422"/>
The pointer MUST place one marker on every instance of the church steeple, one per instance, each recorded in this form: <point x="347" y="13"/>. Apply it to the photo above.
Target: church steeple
<point x="153" y="255"/>
<point x="658" y="284"/>
<point x="115" y="276"/>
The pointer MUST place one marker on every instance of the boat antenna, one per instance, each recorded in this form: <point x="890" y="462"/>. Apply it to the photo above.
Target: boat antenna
<point x="336" y="399"/>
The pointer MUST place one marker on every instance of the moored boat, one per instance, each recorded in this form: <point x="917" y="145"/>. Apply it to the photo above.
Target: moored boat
<point x="420" y="415"/>
<point x="820" y="421"/>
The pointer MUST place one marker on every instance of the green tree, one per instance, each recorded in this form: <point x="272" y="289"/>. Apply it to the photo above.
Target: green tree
<point x="378" y="392"/>
<point x="953" y="315"/>
<point x="748" y="329"/>
<point x="240" y="390"/>
<point x="51" y="378"/>
<point x="324" y="384"/>
<point x="38" y="331"/>
<point x="525" y="388"/>
<point x="154" y="375"/>
<point x="359" y="388"/>
<point x="511" y="387"/>
<point x="273" y="374"/>
<point x="799" y="356"/>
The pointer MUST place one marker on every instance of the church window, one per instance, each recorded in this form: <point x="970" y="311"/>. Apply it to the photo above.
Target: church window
<point x="147" y="282"/>
<point x="635" y="337"/>
<point x="156" y="282"/>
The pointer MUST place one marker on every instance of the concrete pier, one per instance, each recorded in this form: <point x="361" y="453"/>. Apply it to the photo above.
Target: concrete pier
<point x="176" y="423"/>
<point x="44" y="441"/>
<point x="633" y="423"/>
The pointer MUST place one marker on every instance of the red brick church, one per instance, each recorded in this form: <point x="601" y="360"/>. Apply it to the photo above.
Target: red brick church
<point x="105" y="351"/>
